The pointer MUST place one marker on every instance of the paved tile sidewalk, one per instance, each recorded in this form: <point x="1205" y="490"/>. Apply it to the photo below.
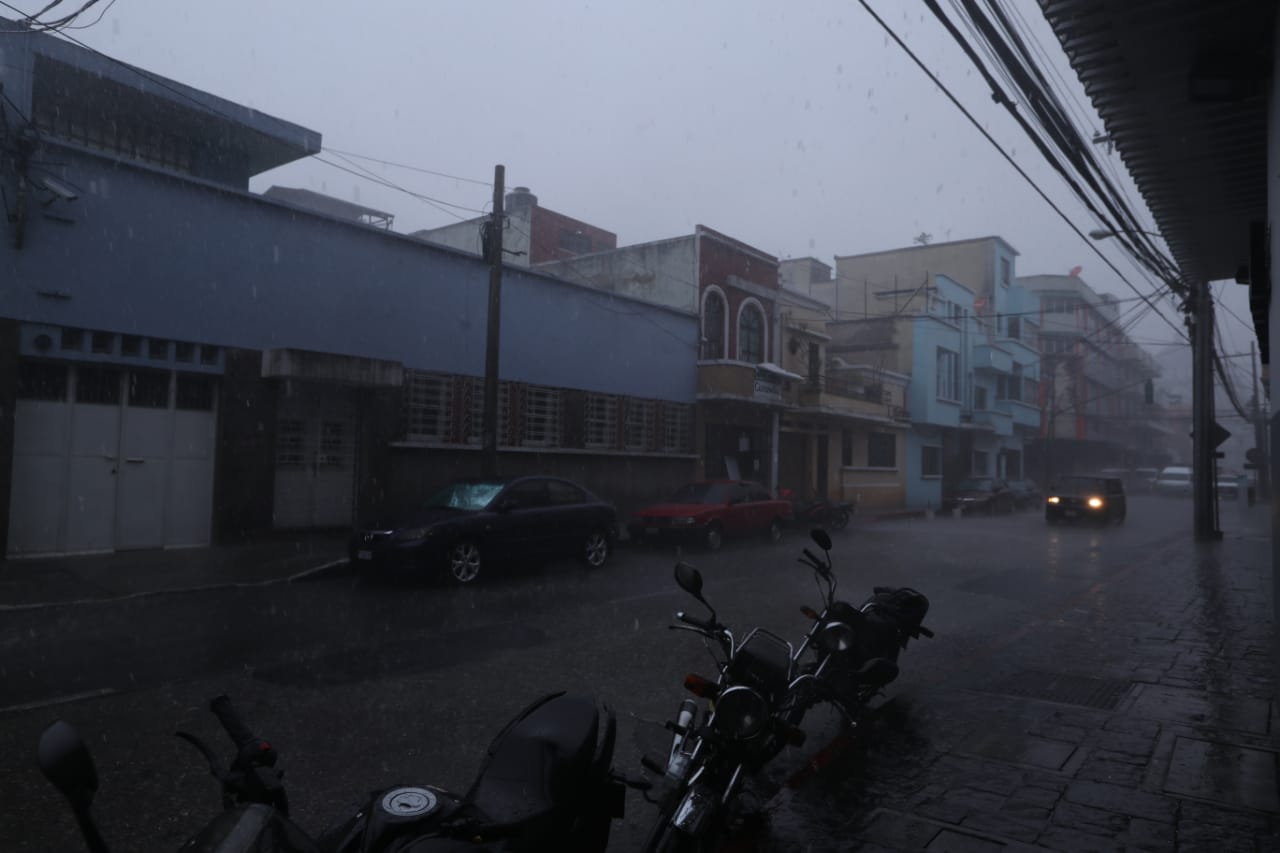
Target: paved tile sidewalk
<point x="1140" y="717"/>
<point x="38" y="582"/>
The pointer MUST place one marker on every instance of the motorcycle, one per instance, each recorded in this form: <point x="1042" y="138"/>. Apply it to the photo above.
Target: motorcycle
<point x="854" y="650"/>
<point x="546" y="783"/>
<point x="742" y="727"/>
<point x="834" y="515"/>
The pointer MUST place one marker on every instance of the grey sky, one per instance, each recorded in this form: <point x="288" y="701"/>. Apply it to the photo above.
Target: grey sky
<point x="799" y="128"/>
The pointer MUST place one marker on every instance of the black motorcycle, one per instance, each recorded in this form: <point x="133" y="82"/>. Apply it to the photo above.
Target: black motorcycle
<point x="546" y="784"/>
<point x="739" y="730"/>
<point x="833" y="515"/>
<point x="854" y="650"/>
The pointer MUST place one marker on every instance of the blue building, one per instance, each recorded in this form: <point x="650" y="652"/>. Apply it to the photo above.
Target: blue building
<point x="182" y="360"/>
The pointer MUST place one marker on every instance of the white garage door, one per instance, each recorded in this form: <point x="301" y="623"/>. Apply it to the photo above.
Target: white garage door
<point x="110" y="458"/>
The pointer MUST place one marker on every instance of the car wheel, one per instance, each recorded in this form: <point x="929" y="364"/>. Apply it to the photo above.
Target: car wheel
<point x="841" y="520"/>
<point x="713" y="538"/>
<point x="464" y="561"/>
<point x="775" y="531"/>
<point x="596" y="549"/>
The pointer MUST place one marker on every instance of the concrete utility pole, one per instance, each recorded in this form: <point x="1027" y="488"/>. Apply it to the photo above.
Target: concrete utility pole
<point x="1203" y="462"/>
<point x="491" y="241"/>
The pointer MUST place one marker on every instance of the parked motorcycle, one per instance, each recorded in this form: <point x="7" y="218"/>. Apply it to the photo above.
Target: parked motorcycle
<point x="742" y="727"/>
<point x="833" y="515"/>
<point x="546" y="784"/>
<point x="854" y="650"/>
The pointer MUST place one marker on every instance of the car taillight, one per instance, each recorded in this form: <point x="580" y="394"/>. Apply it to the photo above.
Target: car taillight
<point x="701" y="687"/>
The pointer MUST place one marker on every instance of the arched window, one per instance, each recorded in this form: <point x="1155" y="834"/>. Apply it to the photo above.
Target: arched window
<point x="713" y="326"/>
<point x="751" y="334"/>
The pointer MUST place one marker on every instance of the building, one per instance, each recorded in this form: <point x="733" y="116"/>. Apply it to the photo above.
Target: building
<point x="183" y="361"/>
<point x="1098" y="390"/>
<point x="950" y="317"/>
<point x="533" y="234"/>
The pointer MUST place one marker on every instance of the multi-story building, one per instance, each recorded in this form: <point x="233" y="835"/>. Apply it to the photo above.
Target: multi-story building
<point x="1098" y="393"/>
<point x="532" y="234"/>
<point x="950" y="317"/>
<point x="183" y="361"/>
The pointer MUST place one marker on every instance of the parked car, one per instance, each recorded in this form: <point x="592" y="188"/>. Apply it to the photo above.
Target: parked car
<point x="708" y="512"/>
<point x="1026" y="494"/>
<point x="1229" y="484"/>
<point x="980" y="494"/>
<point x="1174" y="480"/>
<point x="473" y="523"/>
<point x="1086" y="498"/>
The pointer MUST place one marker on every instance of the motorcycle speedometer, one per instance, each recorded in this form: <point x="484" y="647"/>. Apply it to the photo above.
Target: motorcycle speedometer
<point x="836" y="637"/>
<point x="741" y="713"/>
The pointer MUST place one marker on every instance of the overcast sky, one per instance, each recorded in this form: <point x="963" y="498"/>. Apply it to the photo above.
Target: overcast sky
<point x="799" y="128"/>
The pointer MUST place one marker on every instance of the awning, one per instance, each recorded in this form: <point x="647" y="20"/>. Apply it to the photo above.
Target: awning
<point x="336" y="369"/>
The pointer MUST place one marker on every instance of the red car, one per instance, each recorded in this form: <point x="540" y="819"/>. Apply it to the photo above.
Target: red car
<point x="707" y="512"/>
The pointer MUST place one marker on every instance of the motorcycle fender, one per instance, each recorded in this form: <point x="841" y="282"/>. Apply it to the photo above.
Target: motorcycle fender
<point x="694" y="811"/>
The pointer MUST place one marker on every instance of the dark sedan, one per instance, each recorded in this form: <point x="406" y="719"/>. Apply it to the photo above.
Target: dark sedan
<point x="1026" y="494"/>
<point x="1084" y="498"/>
<point x="979" y="494"/>
<point x="471" y="524"/>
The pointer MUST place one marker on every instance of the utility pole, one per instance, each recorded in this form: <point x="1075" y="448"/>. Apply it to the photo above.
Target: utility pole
<point x="1203" y="461"/>
<point x="491" y="242"/>
<point x="1263" y="454"/>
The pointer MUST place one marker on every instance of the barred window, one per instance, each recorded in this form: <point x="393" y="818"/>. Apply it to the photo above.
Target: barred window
<point x="542" y="407"/>
<point x="428" y="406"/>
<point x="475" y="411"/>
<point x="333" y="444"/>
<point x="601" y="421"/>
<point x="677" y="428"/>
<point x="638" y="428"/>
<point x="290" y="443"/>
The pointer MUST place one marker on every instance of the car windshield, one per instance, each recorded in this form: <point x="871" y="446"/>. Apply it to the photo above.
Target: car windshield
<point x="1082" y="484"/>
<point x="702" y="493"/>
<point x="974" y="486"/>
<point x="469" y="496"/>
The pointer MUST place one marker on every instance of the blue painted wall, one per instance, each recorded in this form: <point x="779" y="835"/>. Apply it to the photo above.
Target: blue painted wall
<point x="154" y="254"/>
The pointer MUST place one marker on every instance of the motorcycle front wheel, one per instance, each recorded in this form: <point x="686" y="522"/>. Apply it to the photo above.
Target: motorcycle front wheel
<point x="665" y="837"/>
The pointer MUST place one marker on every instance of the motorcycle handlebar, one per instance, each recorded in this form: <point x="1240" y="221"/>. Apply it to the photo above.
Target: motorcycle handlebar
<point x="705" y="624"/>
<point x="231" y="722"/>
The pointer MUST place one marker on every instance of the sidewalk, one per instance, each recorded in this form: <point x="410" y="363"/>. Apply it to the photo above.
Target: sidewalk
<point x="1141" y="716"/>
<point x="44" y="581"/>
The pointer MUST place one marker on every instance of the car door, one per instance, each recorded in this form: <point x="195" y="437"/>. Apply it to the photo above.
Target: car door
<point x="570" y="518"/>
<point x="737" y="515"/>
<point x="761" y="503"/>
<point x="522" y="519"/>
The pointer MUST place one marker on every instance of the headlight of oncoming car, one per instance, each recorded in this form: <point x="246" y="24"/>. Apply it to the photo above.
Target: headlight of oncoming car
<point x="835" y="637"/>
<point x="412" y="534"/>
<point x="741" y="713"/>
<point x="1095" y="503"/>
<point x="1055" y="499"/>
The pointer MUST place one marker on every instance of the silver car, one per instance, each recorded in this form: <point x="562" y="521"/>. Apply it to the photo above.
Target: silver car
<point x="1175" y="480"/>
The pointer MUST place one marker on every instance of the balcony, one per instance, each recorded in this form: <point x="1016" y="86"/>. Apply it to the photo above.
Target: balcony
<point x="757" y="383"/>
<point x="987" y="357"/>
<point x="853" y="395"/>
<point x="1023" y="413"/>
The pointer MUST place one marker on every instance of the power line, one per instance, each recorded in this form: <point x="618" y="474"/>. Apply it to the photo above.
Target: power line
<point x="369" y="176"/>
<point x="407" y="167"/>
<point x="942" y="87"/>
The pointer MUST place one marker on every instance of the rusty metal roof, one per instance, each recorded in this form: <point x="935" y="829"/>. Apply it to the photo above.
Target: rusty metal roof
<point x="1182" y="87"/>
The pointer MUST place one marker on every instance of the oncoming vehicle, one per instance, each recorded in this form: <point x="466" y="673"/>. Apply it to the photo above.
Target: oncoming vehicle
<point x="1174" y="480"/>
<point x="470" y="523"/>
<point x="1086" y="498"/>
<point x="709" y="511"/>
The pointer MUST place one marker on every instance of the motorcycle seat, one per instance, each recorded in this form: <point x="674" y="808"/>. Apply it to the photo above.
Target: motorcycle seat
<point x="542" y="757"/>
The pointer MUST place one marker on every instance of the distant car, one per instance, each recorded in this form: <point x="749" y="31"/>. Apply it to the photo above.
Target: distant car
<point x="1026" y="494"/>
<point x="1174" y="480"/>
<point x="708" y="512"/>
<point x="1086" y="498"/>
<point x="1229" y="484"/>
<point x="980" y="494"/>
<point x="471" y="524"/>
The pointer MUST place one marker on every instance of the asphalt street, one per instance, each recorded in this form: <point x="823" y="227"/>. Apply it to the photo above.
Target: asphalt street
<point x="363" y="684"/>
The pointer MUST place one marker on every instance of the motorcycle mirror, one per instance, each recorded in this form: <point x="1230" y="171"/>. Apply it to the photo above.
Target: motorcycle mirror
<point x="66" y="763"/>
<point x="689" y="579"/>
<point x="821" y="538"/>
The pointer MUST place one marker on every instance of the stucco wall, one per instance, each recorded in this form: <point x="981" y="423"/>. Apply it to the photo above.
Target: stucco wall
<point x="663" y="273"/>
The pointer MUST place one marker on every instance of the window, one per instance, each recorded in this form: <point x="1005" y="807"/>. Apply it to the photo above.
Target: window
<point x="475" y="412"/>
<point x="815" y="363"/>
<point x="574" y="241"/>
<point x="601" y="417"/>
<point x="638" y="427"/>
<point x="333" y="444"/>
<point x="290" y="443"/>
<point x="930" y="461"/>
<point x="42" y="380"/>
<point x="157" y="349"/>
<point x="149" y="389"/>
<point x="846" y="448"/>
<point x="184" y="352"/>
<point x="208" y="355"/>
<point x="131" y="346"/>
<point x="713" y="313"/>
<point x="103" y="343"/>
<point x="1006" y="272"/>
<point x="196" y="392"/>
<point x="980" y="462"/>
<point x="100" y="385"/>
<point x="73" y="339"/>
<point x="677" y="427"/>
<point x="1013" y="388"/>
<point x="564" y="494"/>
<point x="527" y="494"/>
<point x="1030" y="390"/>
<point x="541" y="417"/>
<point x="979" y="398"/>
<point x="751" y="334"/>
<point x="428" y="406"/>
<point x="1013" y="328"/>
<point x="882" y="450"/>
<point x="948" y="375"/>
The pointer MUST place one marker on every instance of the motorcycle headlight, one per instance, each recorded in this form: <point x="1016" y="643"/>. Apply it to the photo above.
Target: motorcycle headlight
<point x="835" y="637"/>
<point x="741" y="713"/>
<point x="412" y="534"/>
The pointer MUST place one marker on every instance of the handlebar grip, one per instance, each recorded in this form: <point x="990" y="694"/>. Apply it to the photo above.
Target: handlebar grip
<point x="706" y="624"/>
<point x="811" y="556"/>
<point x="925" y="631"/>
<point x="231" y="722"/>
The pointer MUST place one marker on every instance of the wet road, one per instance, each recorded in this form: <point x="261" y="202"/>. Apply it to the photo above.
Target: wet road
<point x="361" y="685"/>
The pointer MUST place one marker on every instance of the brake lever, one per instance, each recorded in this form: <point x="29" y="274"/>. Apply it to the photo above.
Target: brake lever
<point x="204" y="749"/>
